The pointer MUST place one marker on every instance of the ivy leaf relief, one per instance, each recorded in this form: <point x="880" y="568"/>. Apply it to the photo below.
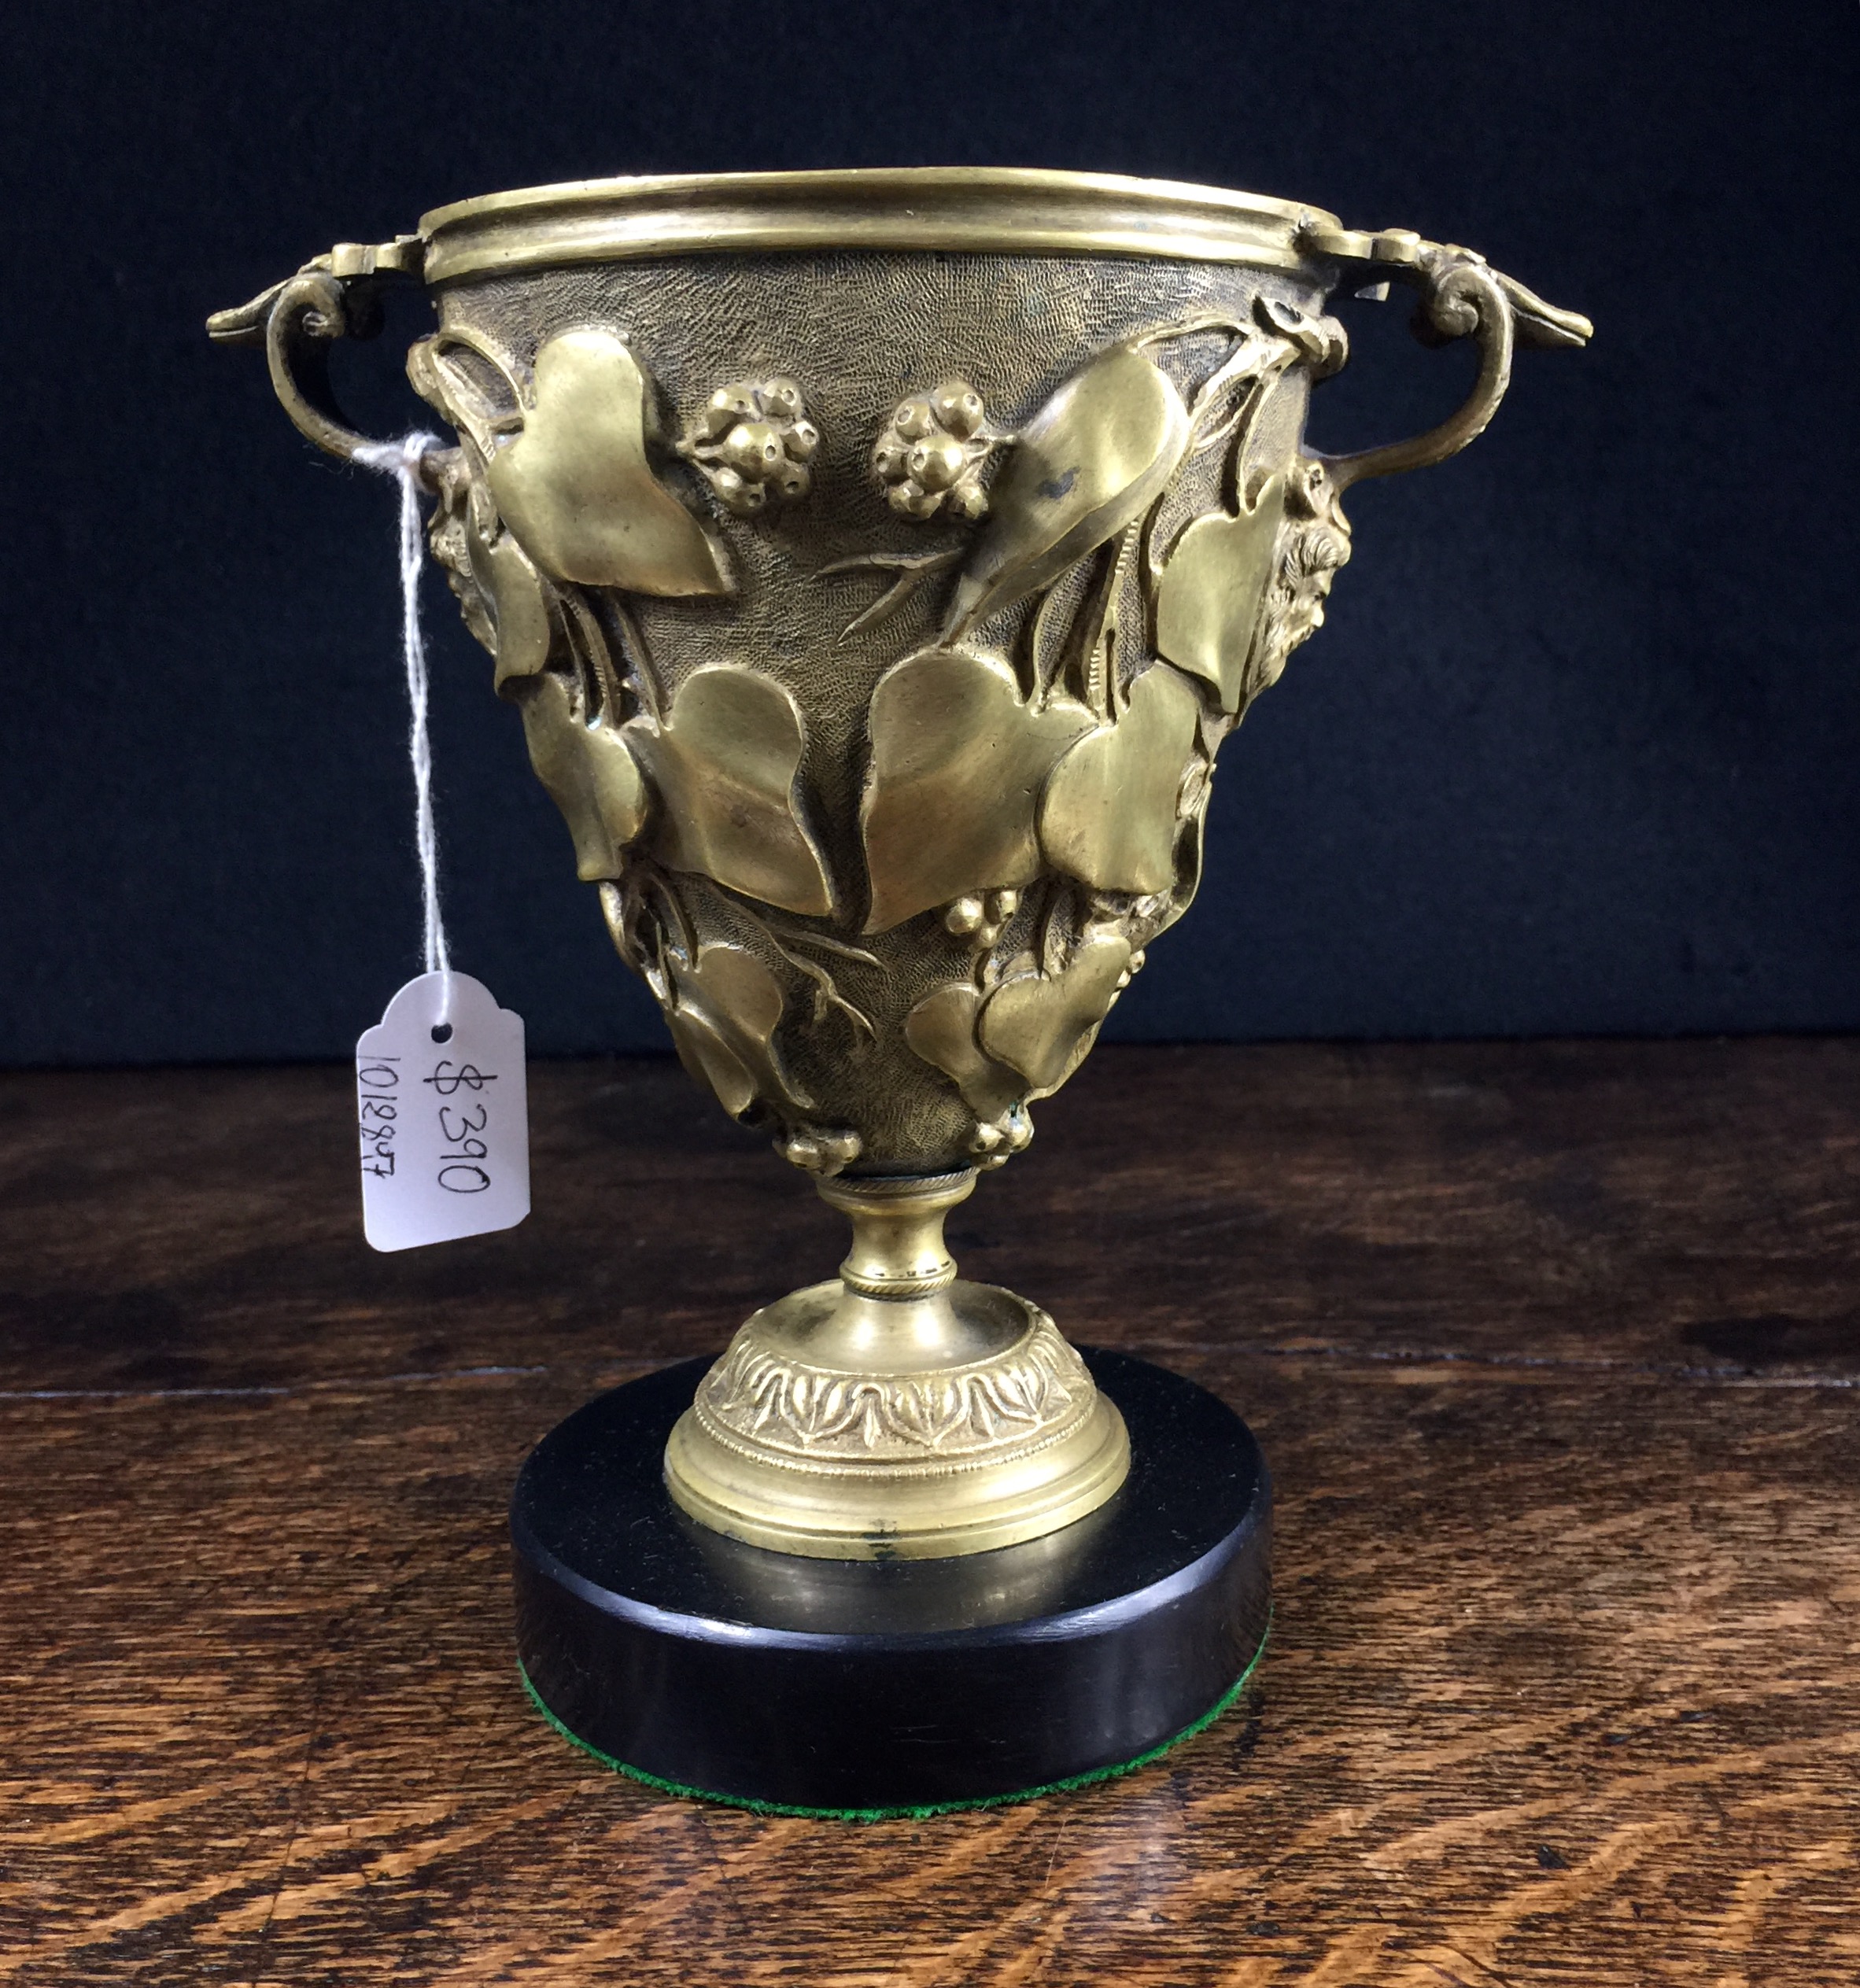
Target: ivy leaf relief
<point x="1213" y="589"/>
<point x="942" y="1030"/>
<point x="958" y="761"/>
<point x="725" y="1009"/>
<point x="1108" y="814"/>
<point x="575" y="486"/>
<point x="1043" y="1025"/>
<point x="725" y="762"/>
<point x="523" y="617"/>
<point x="1087" y="463"/>
<point x="590" y="774"/>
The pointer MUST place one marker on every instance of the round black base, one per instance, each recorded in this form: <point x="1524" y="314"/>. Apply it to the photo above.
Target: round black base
<point x="848" y="1686"/>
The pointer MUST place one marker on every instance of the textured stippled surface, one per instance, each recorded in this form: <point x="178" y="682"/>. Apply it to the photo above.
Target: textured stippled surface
<point x="858" y="333"/>
<point x="1576" y="1321"/>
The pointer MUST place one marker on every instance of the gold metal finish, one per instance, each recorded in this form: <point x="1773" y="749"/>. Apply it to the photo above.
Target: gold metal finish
<point x="900" y="1413"/>
<point x="973" y="210"/>
<point x="297" y="320"/>
<point x="878" y="562"/>
<point x="752" y="444"/>
<point x="574" y="488"/>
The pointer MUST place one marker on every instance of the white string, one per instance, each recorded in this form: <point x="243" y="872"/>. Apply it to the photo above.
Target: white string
<point x="402" y="459"/>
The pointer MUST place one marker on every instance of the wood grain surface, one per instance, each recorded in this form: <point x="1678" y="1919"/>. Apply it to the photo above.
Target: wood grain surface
<point x="1555" y="1350"/>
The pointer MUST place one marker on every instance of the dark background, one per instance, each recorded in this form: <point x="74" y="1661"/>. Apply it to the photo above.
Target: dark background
<point x="1576" y="753"/>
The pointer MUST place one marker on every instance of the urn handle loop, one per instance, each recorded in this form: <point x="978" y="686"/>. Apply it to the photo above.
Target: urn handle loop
<point x="336" y="296"/>
<point x="1461" y="295"/>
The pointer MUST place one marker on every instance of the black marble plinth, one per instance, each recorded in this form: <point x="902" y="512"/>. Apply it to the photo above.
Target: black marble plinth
<point x="760" y="1677"/>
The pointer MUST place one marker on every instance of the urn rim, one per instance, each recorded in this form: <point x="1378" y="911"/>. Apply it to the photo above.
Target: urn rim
<point x="971" y="209"/>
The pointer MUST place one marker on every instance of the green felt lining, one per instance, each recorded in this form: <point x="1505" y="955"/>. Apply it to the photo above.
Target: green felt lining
<point x="916" y="1812"/>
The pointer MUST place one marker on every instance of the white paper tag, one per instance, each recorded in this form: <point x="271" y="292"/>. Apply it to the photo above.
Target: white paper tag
<point x="445" y="1124"/>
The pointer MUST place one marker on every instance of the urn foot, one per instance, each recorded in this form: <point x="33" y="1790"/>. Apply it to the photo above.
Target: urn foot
<point x="899" y="1412"/>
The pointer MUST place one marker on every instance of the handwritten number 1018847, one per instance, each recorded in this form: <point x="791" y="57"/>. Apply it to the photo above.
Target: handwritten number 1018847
<point x="462" y="1123"/>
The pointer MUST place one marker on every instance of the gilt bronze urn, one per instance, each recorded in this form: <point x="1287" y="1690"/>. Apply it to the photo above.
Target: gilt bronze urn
<point x="878" y="560"/>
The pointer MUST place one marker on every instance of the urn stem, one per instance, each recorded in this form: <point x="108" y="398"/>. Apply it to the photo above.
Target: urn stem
<point x="898" y="1248"/>
<point x="895" y="1411"/>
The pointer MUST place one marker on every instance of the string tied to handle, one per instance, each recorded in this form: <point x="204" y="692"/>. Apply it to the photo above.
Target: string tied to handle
<point x="403" y="460"/>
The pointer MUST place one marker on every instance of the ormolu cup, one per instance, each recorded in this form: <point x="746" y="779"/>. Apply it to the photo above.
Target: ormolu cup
<point x="877" y="561"/>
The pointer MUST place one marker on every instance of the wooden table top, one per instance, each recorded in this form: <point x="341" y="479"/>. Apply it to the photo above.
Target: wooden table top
<point x="1554" y="1350"/>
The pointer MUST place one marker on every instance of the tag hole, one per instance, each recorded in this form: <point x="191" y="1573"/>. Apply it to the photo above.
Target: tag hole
<point x="443" y="1032"/>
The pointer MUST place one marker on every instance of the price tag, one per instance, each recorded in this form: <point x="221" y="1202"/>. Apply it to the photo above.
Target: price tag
<point x="444" y="1115"/>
